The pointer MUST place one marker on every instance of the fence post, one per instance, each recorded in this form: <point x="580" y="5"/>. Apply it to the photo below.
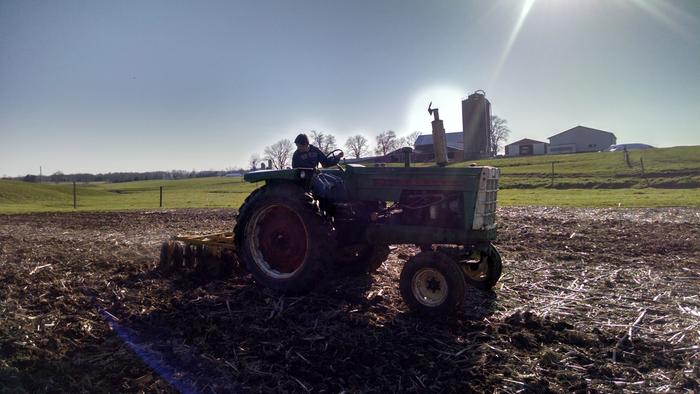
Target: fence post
<point x="641" y="162"/>
<point x="552" y="174"/>
<point x="161" y="196"/>
<point x="75" y="201"/>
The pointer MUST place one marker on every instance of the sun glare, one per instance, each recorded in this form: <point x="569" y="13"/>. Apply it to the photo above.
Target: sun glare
<point x="669" y="15"/>
<point x="525" y="10"/>
<point x="447" y="98"/>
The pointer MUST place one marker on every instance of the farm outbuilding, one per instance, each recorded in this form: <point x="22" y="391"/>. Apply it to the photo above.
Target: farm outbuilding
<point x="424" y="150"/>
<point x="526" y="147"/>
<point x="581" y="139"/>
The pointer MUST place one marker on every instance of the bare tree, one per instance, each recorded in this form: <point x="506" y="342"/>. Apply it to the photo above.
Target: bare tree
<point x="386" y="142"/>
<point x="279" y="153"/>
<point x="254" y="160"/>
<point x="316" y="138"/>
<point x="409" y="140"/>
<point x="324" y="142"/>
<point x="499" y="134"/>
<point x="357" y="145"/>
<point x="328" y="144"/>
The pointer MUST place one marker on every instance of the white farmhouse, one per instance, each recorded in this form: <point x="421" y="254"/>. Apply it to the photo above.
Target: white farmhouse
<point x="581" y="139"/>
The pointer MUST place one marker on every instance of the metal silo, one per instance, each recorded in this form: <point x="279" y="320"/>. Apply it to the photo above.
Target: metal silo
<point x="476" y="125"/>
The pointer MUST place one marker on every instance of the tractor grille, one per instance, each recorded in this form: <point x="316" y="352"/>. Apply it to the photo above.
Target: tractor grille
<point x="485" y="208"/>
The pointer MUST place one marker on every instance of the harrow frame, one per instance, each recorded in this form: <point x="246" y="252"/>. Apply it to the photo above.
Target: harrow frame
<point x="216" y="240"/>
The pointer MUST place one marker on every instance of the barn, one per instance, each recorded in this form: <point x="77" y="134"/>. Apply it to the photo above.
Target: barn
<point x="526" y="147"/>
<point x="581" y="139"/>
<point x="424" y="150"/>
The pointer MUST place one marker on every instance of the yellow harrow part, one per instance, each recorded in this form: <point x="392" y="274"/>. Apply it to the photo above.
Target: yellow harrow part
<point x="209" y="254"/>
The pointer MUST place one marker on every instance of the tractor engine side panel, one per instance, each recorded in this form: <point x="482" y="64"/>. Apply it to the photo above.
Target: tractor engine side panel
<point x="431" y="208"/>
<point x="391" y="183"/>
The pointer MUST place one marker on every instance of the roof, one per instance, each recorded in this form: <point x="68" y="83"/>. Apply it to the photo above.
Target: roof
<point x="429" y="148"/>
<point x="454" y="140"/>
<point x="526" y="141"/>
<point x="579" y="127"/>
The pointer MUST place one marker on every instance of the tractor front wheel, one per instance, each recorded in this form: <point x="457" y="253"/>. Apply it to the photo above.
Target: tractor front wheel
<point x="484" y="273"/>
<point x="282" y="239"/>
<point x="433" y="284"/>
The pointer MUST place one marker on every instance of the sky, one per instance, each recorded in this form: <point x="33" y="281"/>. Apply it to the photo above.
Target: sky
<point x="104" y="86"/>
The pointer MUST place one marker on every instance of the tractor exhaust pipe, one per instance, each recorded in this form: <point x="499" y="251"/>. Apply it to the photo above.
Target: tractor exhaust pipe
<point x="439" y="142"/>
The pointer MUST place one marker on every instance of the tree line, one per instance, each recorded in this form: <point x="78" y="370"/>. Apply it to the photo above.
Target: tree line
<point x="358" y="146"/>
<point x="116" y="177"/>
<point x="279" y="155"/>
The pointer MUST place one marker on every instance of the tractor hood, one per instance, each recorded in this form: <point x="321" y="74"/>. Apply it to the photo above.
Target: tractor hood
<point x="291" y="174"/>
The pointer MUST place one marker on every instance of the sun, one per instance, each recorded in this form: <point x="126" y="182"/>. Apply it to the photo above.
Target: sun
<point x="445" y="97"/>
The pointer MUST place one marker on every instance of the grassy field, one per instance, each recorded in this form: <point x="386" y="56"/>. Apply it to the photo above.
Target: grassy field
<point x="16" y="196"/>
<point x="671" y="178"/>
<point x="677" y="167"/>
<point x="601" y="198"/>
<point x="663" y="168"/>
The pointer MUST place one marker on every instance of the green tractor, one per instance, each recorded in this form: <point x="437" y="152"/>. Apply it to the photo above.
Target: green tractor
<point x="289" y="237"/>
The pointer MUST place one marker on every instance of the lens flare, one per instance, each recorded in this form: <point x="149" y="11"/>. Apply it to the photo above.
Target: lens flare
<point x="527" y="6"/>
<point x="670" y="16"/>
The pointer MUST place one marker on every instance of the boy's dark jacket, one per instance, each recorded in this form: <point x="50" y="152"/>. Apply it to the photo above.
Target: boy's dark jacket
<point x="311" y="159"/>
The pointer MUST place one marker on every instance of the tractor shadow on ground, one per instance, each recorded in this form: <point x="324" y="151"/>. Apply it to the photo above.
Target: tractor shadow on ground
<point x="232" y="335"/>
<point x="478" y="304"/>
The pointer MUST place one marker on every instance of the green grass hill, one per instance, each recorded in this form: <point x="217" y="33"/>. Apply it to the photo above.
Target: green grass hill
<point x="659" y="168"/>
<point x="671" y="177"/>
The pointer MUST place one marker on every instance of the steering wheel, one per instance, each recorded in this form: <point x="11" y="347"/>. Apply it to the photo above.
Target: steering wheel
<point x="335" y="153"/>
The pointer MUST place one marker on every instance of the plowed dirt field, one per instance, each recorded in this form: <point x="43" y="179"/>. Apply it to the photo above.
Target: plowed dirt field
<point x="590" y="300"/>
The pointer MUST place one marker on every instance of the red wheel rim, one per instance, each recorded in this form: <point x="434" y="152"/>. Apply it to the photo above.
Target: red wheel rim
<point x="280" y="241"/>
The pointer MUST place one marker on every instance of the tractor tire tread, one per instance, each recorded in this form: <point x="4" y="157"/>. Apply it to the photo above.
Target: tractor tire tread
<point x="319" y="229"/>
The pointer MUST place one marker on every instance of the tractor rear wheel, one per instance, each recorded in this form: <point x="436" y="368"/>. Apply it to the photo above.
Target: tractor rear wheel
<point x="432" y="284"/>
<point x="282" y="238"/>
<point x="360" y="259"/>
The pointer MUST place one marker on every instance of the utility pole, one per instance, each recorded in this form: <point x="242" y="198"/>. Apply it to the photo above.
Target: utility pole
<point x="40" y="174"/>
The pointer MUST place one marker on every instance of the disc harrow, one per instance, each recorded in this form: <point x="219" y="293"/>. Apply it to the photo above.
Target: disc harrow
<point x="211" y="255"/>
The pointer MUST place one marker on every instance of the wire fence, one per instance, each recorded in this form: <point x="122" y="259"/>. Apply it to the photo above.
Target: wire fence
<point x="625" y="171"/>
